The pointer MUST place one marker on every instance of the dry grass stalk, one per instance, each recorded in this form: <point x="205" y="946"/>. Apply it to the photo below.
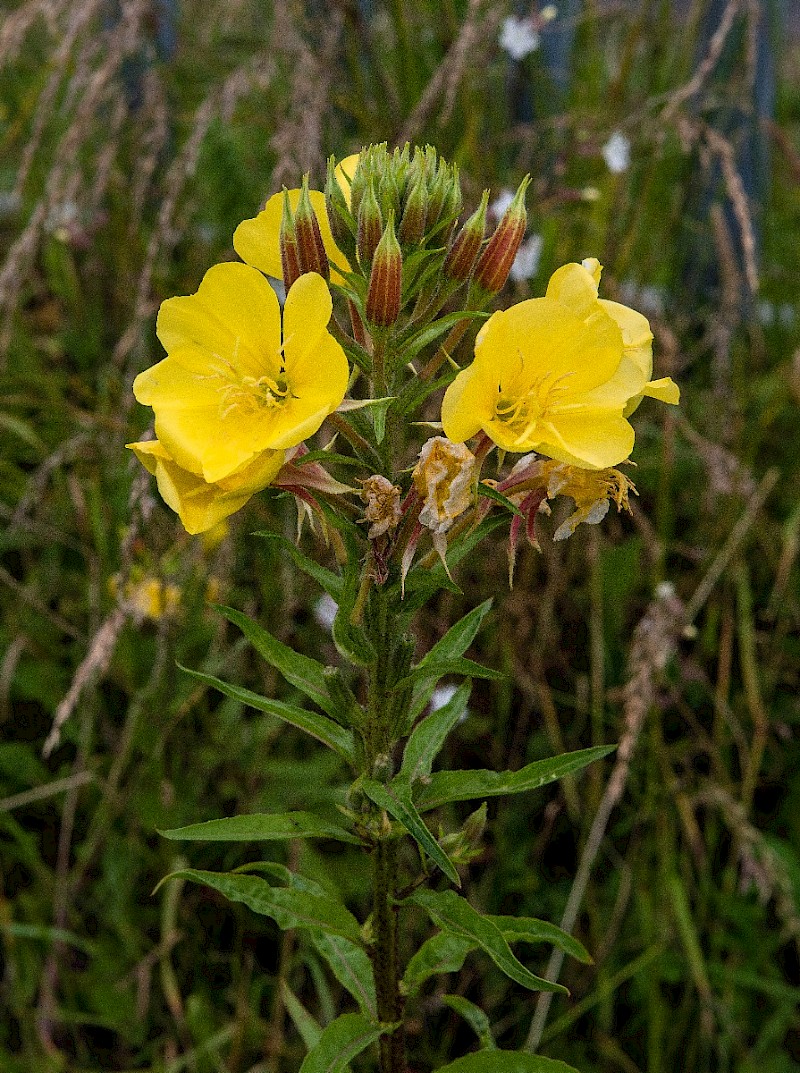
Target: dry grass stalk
<point x="654" y="642"/>
<point x="706" y="65"/>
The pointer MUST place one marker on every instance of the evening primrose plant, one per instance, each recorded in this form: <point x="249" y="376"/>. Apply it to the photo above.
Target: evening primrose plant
<point x="382" y="283"/>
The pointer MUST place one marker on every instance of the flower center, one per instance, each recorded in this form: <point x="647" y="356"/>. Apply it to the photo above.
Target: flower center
<point x="521" y="409"/>
<point x="248" y="394"/>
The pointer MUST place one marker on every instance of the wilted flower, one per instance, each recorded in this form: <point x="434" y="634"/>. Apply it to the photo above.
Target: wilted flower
<point x="257" y="241"/>
<point x="617" y="153"/>
<point x="443" y="478"/>
<point x="518" y="37"/>
<point x="231" y="387"/>
<point x="558" y="375"/>
<point x="383" y="505"/>
<point x="592" y="490"/>
<point x="200" y="504"/>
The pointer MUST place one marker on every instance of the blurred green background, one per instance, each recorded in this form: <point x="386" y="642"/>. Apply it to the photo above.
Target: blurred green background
<point x="663" y="139"/>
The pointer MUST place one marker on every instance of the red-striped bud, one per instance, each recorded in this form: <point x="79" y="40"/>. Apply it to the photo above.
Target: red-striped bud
<point x="412" y="225"/>
<point x="466" y="245"/>
<point x="313" y="257"/>
<point x="494" y="264"/>
<point x="370" y="226"/>
<point x="290" y="254"/>
<point x="383" y="296"/>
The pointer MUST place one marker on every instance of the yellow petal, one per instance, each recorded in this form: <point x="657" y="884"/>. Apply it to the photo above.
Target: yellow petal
<point x="665" y="390"/>
<point x="574" y="287"/>
<point x="467" y="405"/>
<point x="234" y="315"/>
<point x="591" y="440"/>
<point x="344" y="172"/>
<point x="149" y="453"/>
<point x="258" y="241"/>
<point x="306" y="314"/>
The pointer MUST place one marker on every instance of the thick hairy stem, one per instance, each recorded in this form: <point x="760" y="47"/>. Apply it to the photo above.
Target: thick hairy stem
<point x="385" y="958"/>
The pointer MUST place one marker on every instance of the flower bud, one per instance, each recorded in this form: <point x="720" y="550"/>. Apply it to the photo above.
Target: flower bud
<point x="313" y="257"/>
<point x="412" y="225"/>
<point x="290" y="254"/>
<point x="370" y="226"/>
<point x="383" y="296"/>
<point x="341" y="221"/>
<point x="465" y="247"/>
<point x="494" y="264"/>
<point x="438" y="191"/>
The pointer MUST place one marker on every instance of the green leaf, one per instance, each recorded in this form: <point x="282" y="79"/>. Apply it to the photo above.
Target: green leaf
<point x="326" y="579"/>
<point x="319" y="726"/>
<point x="455" y="914"/>
<point x="301" y="671"/>
<point x="433" y="331"/>
<point x="505" y="1062"/>
<point x="288" y="908"/>
<point x="396" y="799"/>
<point x="432" y="672"/>
<point x="261" y="827"/>
<point x="488" y="492"/>
<point x="441" y="953"/>
<point x="429" y="735"/>
<point x="444" y="786"/>
<point x="340" y="1042"/>
<point x="351" y="967"/>
<point x="531" y="930"/>
<point x="475" y="1018"/>
<point x="310" y="1030"/>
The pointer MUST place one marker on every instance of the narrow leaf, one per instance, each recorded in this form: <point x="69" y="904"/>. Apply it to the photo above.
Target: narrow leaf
<point x="429" y="735"/>
<point x="459" y="637"/>
<point x="505" y="1062"/>
<point x="261" y="828"/>
<point x="455" y="914"/>
<point x="351" y="967"/>
<point x="326" y="579"/>
<point x="288" y="908"/>
<point x="396" y="799"/>
<point x="309" y="1029"/>
<point x="340" y="1042"/>
<point x="531" y="930"/>
<point x="433" y="331"/>
<point x="444" y="786"/>
<point x="301" y="671"/>
<point x="488" y="492"/>
<point x="319" y="726"/>
<point x="475" y="1018"/>
<point x="433" y="671"/>
<point x="442" y="953"/>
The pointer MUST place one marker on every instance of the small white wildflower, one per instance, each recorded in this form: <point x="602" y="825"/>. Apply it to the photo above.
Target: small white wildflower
<point x="665" y="590"/>
<point x="590" y="193"/>
<point x="526" y="263"/>
<point x="498" y="207"/>
<point x="518" y="37"/>
<point x="325" y="611"/>
<point x="442" y="695"/>
<point x="765" y="311"/>
<point x="786" y="315"/>
<point x="548" y="13"/>
<point x="617" y="153"/>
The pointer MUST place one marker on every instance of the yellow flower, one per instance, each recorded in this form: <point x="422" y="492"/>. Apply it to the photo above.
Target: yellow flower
<point x="200" y="504"/>
<point x="558" y="375"/>
<point x="230" y="389"/>
<point x="257" y="241"/>
<point x="148" y="597"/>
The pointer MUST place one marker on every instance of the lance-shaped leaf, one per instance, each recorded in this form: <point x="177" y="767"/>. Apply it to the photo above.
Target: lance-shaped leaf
<point x="429" y="735"/>
<point x="326" y="579"/>
<point x="301" y="671"/>
<point x="531" y="930"/>
<point x="444" y="786"/>
<point x="475" y="1018"/>
<point x="351" y="967"/>
<point x="434" y="331"/>
<point x="396" y="799"/>
<point x="313" y="723"/>
<point x="505" y="1062"/>
<point x="288" y="908"/>
<point x="455" y="914"/>
<point x="442" y="953"/>
<point x="340" y="1042"/>
<point x="264" y="827"/>
<point x="310" y="1031"/>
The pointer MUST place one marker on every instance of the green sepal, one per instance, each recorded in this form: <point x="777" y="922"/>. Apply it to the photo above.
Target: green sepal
<point x="429" y="735"/>
<point x="454" y="914"/>
<point x="326" y="579"/>
<point x="301" y="671"/>
<point x="288" y="907"/>
<point x="445" y="786"/>
<point x="319" y="726"/>
<point x="396" y="800"/>
<point x="264" y="827"/>
<point x="341" y="1041"/>
<point x="505" y="1062"/>
<point x="475" y="1018"/>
